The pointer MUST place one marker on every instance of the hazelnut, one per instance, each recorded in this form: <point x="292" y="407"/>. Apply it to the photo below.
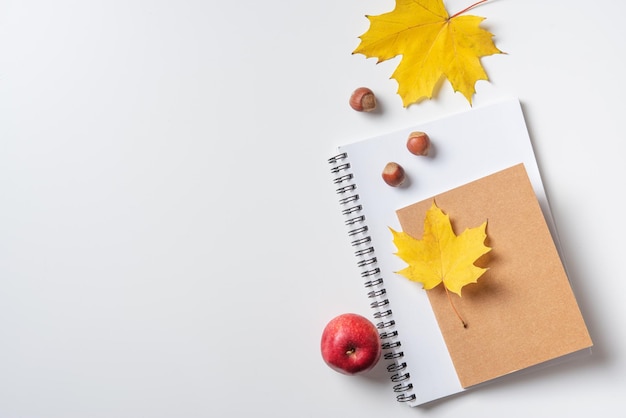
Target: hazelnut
<point x="363" y="100"/>
<point x="393" y="174"/>
<point x="418" y="143"/>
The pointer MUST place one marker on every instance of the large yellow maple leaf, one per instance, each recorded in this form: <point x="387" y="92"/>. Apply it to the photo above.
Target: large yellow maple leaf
<point x="433" y="46"/>
<point x="441" y="256"/>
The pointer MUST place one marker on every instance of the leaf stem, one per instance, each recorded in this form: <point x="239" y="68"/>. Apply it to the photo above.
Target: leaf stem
<point x="467" y="8"/>
<point x="452" y="304"/>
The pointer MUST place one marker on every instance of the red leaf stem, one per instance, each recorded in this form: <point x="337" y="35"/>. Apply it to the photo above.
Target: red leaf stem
<point x="467" y="8"/>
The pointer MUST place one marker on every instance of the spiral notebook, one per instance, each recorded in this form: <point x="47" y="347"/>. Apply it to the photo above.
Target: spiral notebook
<point x="522" y="314"/>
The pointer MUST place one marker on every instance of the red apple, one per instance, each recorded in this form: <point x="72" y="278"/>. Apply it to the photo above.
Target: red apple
<point x="350" y="344"/>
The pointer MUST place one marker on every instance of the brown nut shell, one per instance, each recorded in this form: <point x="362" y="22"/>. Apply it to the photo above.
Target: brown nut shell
<point x="418" y="143"/>
<point x="363" y="100"/>
<point x="393" y="174"/>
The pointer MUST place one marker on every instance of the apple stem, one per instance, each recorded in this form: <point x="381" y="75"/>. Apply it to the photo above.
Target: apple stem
<point x="453" y="308"/>
<point x="350" y="351"/>
<point x="467" y="8"/>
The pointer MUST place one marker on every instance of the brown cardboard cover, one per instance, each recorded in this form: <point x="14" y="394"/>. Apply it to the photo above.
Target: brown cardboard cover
<point x="522" y="311"/>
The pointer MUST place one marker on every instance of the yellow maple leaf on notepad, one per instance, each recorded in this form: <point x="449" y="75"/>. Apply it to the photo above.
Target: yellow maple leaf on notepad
<point x="441" y="256"/>
<point x="433" y="46"/>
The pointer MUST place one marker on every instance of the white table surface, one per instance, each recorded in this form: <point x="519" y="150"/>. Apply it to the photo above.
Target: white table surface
<point x="170" y="244"/>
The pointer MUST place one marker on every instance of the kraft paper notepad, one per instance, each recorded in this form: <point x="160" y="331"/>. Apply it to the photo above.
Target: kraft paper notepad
<point x="521" y="313"/>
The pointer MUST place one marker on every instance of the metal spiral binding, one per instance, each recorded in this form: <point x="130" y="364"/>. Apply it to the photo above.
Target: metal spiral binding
<point x="355" y="221"/>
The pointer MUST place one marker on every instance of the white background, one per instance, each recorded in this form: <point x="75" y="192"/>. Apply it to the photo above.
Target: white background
<point x="170" y="244"/>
